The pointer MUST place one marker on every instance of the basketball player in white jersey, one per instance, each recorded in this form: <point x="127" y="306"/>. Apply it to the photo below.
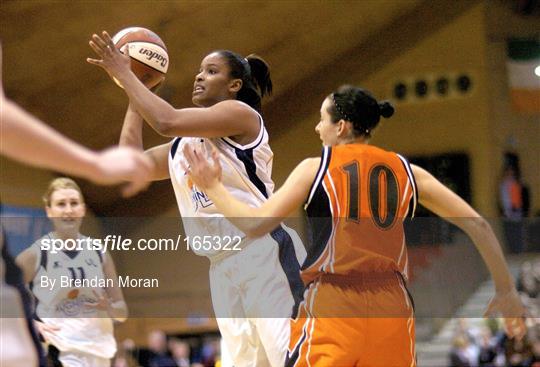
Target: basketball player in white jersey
<point x="76" y="319"/>
<point x="30" y="141"/>
<point x="255" y="289"/>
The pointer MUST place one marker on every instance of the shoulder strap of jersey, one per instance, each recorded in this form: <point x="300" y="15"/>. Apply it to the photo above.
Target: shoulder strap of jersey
<point x="412" y="181"/>
<point x="326" y="155"/>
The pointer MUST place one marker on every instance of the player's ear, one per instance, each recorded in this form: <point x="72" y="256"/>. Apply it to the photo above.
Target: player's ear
<point x="235" y="85"/>
<point x="341" y="128"/>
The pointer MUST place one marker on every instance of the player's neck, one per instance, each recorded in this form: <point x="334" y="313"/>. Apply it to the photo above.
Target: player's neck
<point x="353" y="140"/>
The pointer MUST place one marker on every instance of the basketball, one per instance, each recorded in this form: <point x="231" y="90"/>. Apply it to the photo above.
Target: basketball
<point x="149" y="57"/>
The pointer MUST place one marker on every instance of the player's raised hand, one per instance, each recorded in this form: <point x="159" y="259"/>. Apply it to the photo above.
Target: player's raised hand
<point x="123" y="164"/>
<point x="205" y="174"/>
<point x="509" y="306"/>
<point x="111" y="59"/>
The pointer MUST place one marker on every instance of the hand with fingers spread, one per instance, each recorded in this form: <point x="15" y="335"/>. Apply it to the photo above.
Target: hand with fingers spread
<point x="203" y="174"/>
<point x="115" y="63"/>
<point x="509" y="306"/>
<point x="123" y="164"/>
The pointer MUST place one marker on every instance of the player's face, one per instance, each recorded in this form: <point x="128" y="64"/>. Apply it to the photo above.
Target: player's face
<point x="66" y="210"/>
<point x="327" y="130"/>
<point x="213" y="83"/>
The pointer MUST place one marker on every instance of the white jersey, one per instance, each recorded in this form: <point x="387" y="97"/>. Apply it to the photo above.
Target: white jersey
<point x="247" y="171"/>
<point x="62" y="303"/>
<point x="253" y="316"/>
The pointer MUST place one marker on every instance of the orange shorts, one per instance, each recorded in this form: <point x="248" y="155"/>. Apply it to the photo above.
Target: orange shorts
<point x="362" y="321"/>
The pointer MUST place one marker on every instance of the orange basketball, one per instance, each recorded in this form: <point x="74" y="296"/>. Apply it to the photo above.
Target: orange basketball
<point x="149" y="57"/>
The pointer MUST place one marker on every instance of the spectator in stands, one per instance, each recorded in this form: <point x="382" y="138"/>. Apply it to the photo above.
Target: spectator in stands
<point x="160" y="357"/>
<point x="180" y="351"/>
<point x="535" y="362"/>
<point x="518" y="353"/>
<point x="512" y="205"/>
<point x="124" y="360"/>
<point x="459" y="355"/>
<point x="157" y="354"/>
<point x="528" y="281"/>
<point x="488" y="351"/>
<point x="210" y="352"/>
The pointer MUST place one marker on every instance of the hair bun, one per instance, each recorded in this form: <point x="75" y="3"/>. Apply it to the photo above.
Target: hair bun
<point x="386" y="109"/>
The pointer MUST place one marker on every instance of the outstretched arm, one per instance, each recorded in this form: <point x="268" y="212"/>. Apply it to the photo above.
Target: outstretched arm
<point x="252" y="221"/>
<point x="446" y="204"/>
<point x="227" y="118"/>
<point x="28" y="140"/>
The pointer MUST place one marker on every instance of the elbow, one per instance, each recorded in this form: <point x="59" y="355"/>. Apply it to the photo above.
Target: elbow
<point x="163" y="127"/>
<point x="477" y="225"/>
<point x="480" y="223"/>
<point x="163" y="122"/>
<point x="253" y="228"/>
<point x="259" y="228"/>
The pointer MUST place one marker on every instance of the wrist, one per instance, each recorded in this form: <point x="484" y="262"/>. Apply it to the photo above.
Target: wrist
<point x="90" y="167"/>
<point x="216" y="189"/>
<point x="505" y="289"/>
<point x="117" y="310"/>
<point x="124" y="76"/>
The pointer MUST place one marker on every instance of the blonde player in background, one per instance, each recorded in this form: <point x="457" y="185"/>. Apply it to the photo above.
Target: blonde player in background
<point x="356" y="196"/>
<point x="28" y="140"/>
<point x="254" y="289"/>
<point x="76" y="320"/>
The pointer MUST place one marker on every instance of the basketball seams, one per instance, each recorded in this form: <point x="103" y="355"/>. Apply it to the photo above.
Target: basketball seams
<point x="119" y="45"/>
<point x="150" y="66"/>
<point x="148" y="50"/>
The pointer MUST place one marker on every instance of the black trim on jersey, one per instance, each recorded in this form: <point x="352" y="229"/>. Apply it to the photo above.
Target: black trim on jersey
<point x="320" y="224"/>
<point x="414" y="200"/>
<point x="174" y="146"/>
<point x="326" y="156"/>
<point x="100" y="256"/>
<point x="71" y="253"/>
<point x="260" y="138"/>
<point x="43" y="260"/>
<point x="290" y="265"/>
<point x="246" y="157"/>
<point x="404" y="282"/>
<point x="291" y="359"/>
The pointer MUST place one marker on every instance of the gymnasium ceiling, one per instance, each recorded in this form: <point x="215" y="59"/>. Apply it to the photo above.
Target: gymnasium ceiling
<point x="305" y="42"/>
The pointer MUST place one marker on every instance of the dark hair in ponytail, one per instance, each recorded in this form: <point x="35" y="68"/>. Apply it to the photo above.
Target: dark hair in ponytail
<point x="359" y="107"/>
<point x="255" y="75"/>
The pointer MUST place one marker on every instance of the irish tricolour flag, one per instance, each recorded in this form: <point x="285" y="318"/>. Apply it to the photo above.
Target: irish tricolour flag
<point x="524" y="74"/>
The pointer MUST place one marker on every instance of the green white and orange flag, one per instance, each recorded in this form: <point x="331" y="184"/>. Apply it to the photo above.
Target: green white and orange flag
<point x="523" y="66"/>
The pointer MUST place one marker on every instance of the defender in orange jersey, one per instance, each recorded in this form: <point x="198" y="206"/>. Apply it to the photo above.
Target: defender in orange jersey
<point x="356" y="309"/>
